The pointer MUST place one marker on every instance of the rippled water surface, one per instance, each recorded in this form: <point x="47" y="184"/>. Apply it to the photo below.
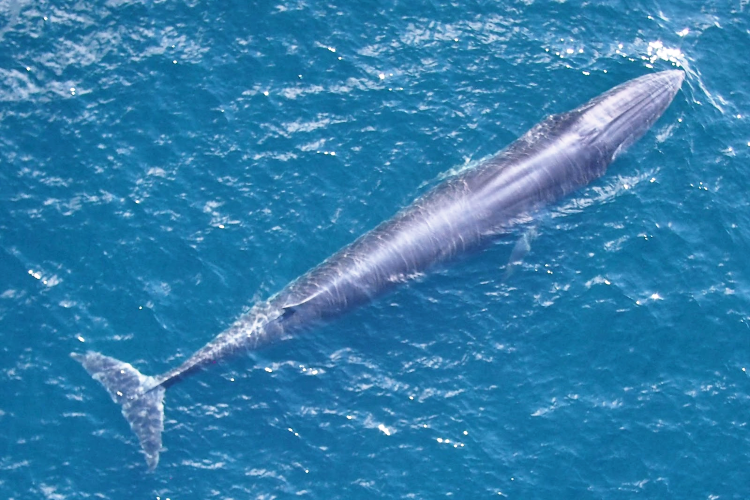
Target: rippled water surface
<point x="165" y="164"/>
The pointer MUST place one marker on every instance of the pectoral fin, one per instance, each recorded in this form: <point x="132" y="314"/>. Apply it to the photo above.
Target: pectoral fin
<point x="522" y="247"/>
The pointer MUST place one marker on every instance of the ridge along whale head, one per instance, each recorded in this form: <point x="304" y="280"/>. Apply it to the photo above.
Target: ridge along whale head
<point x="616" y="119"/>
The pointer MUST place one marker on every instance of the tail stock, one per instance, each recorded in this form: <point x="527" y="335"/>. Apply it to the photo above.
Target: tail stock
<point x="140" y="396"/>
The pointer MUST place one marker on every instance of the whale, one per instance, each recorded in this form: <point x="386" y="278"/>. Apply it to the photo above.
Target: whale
<point x="559" y="155"/>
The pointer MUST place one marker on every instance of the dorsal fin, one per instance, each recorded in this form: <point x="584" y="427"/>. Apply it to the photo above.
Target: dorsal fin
<point x="291" y="305"/>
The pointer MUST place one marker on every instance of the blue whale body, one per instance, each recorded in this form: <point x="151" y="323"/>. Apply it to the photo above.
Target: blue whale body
<point x="559" y="155"/>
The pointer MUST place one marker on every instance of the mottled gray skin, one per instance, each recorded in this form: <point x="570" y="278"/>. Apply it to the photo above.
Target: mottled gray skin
<point x="556" y="157"/>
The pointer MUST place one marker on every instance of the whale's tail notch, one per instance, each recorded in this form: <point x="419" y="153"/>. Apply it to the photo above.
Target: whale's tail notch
<point x="140" y="396"/>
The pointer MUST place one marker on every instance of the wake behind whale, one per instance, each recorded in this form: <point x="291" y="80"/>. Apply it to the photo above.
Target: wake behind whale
<point x="559" y="155"/>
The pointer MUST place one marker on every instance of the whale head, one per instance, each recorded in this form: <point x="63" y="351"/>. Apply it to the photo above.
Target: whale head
<point x="613" y="121"/>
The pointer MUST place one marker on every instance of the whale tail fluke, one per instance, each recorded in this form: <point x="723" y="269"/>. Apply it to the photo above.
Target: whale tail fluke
<point x="140" y="396"/>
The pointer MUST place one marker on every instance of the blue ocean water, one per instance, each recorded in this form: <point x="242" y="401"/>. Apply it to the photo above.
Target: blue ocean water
<point x="166" y="164"/>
